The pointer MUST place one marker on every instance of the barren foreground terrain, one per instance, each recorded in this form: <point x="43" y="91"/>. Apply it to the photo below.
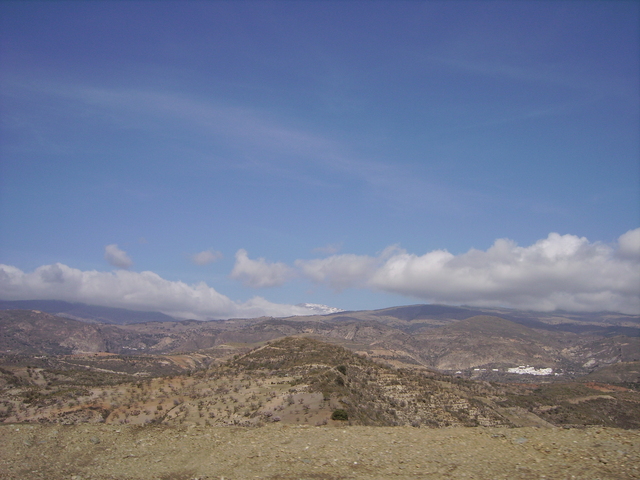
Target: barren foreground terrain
<point x="305" y="452"/>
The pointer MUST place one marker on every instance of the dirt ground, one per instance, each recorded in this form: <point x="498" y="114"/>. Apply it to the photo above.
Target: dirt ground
<point x="81" y="452"/>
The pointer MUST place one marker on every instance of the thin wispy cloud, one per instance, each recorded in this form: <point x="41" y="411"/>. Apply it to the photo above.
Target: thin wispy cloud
<point x="595" y="83"/>
<point x="262" y="143"/>
<point x="206" y="257"/>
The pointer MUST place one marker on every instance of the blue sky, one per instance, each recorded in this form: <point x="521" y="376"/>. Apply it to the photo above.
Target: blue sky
<point x="216" y="159"/>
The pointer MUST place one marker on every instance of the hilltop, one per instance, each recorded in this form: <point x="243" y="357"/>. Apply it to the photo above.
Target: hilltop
<point x="297" y="407"/>
<point x="294" y="380"/>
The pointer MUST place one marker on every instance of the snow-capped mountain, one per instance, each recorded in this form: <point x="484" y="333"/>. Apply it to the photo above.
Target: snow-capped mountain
<point x="317" y="309"/>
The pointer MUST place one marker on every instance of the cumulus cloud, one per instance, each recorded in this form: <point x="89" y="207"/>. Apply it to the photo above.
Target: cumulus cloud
<point x="339" y="271"/>
<point x="206" y="257"/>
<point x="260" y="273"/>
<point x="116" y="257"/>
<point x="629" y="244"/>
<point x="558" y="272"/>
<point x="132" y="290"/>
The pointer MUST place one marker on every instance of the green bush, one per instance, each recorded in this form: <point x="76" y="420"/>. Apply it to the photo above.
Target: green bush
<point x="339" y="414"/>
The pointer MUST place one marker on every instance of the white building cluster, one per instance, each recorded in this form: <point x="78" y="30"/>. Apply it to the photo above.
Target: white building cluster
<point x="527" y="370"/>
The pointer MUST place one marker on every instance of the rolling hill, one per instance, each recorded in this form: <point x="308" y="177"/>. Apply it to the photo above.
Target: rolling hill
<point x="481" y="346"/>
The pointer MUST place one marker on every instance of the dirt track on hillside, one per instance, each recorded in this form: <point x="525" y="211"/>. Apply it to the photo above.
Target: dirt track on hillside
<point x="84" y="452"/>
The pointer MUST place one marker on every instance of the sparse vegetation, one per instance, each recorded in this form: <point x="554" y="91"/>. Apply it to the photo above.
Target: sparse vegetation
<point x="339" y="414"/>
<point x="190" y="398"/>
<point x="296" y="379"/>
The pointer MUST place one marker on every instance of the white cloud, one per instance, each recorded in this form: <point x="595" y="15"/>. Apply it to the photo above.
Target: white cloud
<point x="116" y="257"/>
<point x="339" y="271"/>
<point x="629" y="244"/>
<point x="558" y="272"/>
<point x="260" y="273"/>
<point x="344" y="271"/>
<point x="206" y="257"/>
<point x="132" y="290"/>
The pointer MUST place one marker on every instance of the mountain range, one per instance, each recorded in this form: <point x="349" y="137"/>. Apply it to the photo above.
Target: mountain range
<point x="476" y="343"/>
<point x="419" y="365"/>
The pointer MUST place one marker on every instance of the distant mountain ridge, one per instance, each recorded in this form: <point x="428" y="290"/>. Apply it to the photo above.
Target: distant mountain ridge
<point x="84" y="312"/>
<point x="482" y="346"/>
<point x="118" y="316"/>
<point x="408" y="318"/>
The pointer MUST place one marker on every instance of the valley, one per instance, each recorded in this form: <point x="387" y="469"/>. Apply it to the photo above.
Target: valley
<point x="414" y="372"/>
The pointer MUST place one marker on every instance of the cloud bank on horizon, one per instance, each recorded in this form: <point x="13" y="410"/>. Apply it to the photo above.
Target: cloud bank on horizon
<point x="559" y="272"/>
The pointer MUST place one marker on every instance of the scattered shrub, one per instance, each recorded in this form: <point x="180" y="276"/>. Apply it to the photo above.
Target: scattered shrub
<point x="339" y="414"/>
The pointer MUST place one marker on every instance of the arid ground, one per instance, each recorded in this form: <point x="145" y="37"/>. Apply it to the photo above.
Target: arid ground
<point x="74" y="452"/>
